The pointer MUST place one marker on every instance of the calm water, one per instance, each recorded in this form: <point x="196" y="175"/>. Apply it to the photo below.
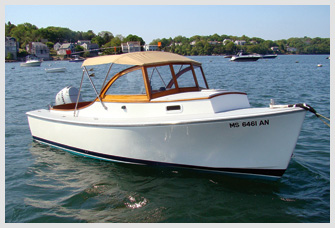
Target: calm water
<point x="44" y="184"/>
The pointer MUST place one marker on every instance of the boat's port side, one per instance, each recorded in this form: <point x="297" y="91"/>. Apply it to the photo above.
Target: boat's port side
<point x="264" y="146"/>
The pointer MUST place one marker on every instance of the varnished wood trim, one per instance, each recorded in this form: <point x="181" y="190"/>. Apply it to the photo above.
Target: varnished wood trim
<point x="126" y="98"/>
<point x="227" y="93"/>
<point x="71" y="106"/>
<point x="144" y="99"/>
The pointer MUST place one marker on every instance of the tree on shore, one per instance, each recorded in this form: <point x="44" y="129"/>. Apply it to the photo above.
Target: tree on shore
<point x="195" y="45"/>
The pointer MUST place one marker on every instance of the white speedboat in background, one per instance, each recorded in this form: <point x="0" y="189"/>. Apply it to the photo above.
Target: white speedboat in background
<point x="76" y="59"/>
<point x="240" y="57"/>
<point x="31" y="62"/>
<point x="160" y="111"/>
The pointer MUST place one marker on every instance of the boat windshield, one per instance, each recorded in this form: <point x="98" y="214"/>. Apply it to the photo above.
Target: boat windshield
<point x="200" y="77"/>
<point x="159" y="78"/>
<point x="130" y="83"/>
<point x="185" y="78"/>
<point x="153" y="81"/>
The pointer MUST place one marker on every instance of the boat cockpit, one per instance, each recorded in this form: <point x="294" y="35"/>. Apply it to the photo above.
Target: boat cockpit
<point x="144" y="82"/>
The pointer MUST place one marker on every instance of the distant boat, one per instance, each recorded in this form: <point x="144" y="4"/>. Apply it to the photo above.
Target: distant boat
<point x="76" y="59"/>
<point x="240" y="57"/>
<point x="269" y="56"/>
<point x="31" y="61"/>
<point x="319" y="65"/>
<point x="55" y="70"/>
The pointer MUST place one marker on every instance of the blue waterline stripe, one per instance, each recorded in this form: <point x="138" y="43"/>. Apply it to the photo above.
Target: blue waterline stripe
<point x="95" y="155"/>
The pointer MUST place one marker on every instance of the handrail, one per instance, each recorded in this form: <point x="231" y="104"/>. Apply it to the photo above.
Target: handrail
<point x="81" y="83"/>
<point x="103" y="84"/>
<point x="96" y="92"/>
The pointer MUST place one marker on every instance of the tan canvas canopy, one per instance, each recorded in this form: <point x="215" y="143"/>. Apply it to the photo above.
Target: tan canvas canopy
<point x="139" y="59"/>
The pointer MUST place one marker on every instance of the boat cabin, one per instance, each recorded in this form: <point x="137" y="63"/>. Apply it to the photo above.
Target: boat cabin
<point x="152" y="75"/>
<point x="144" y="83"/>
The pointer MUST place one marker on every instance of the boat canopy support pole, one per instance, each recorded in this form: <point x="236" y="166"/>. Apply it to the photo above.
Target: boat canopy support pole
<point x="103" y="84"/>
<point x="81" y="83"/>
<point x="96" y="92"/>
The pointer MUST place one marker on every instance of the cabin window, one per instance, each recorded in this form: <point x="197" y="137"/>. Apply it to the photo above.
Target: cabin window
<point x="184" y="75"/>
<point x="130" y="83"/>
<point x="159" y="78"/>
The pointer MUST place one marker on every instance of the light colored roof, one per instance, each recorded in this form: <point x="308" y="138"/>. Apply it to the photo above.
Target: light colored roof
<point x="66" y="45"/>
<point x="139" y="59"/>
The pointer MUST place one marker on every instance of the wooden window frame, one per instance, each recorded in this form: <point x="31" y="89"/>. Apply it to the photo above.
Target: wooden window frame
<point x="140" y="98"/>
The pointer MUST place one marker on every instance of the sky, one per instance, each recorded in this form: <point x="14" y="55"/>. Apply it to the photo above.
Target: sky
<point x="269" y="22"/>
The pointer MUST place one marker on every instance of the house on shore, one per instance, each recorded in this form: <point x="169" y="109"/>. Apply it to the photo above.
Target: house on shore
<point x="66" y="48"/>
<point x="240" y="42"/>
<point x="131" y="46"/>
<point x="57" y="46"/>
<point x="213" y="42"/>
<point x="81" y="42"/>
<point x="275" y="48"/>
<point x="12" y="47"/>
<point x="38" y="49"/>
<point x="150" y="47"/>
<point x="91" y="47"/>
<point x="291" y="49"/>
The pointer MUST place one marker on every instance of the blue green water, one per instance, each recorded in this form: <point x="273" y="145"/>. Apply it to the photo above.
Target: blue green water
<point x="43" y="184"/>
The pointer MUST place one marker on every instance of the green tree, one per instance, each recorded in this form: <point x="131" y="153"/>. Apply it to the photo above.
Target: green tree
<point x="50" y="45"/>
<point x="230" y="48"/>
<point x="24" y="33"/>
<point x="131" y="37"/>
<point x="89" y="35"/>
<point x="79" y="48"/>
<point x="106" y="36"/>
<point x="98" y="40"/>
<point x="9" y="56"/>
<point x="8" y="28"/>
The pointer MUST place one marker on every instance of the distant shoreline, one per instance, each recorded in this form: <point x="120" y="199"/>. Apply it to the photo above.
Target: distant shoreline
<point x="67" y="59"/>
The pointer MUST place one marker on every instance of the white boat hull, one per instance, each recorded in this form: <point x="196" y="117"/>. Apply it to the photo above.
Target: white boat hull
<point x="261" y="144"/>
<point x="31" y="64"/>
<point x="55" y="70"/>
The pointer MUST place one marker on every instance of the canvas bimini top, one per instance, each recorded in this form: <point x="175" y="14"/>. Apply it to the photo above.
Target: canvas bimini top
<point x="140" y="59"/>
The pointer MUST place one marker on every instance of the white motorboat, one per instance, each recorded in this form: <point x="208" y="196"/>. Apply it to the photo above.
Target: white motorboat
<point x="31" y="62"/>
<point x="76" y="59"/>
<point x="240" y="57"/>
<point x="160" y="111"/>
<point x="55" y="70"/>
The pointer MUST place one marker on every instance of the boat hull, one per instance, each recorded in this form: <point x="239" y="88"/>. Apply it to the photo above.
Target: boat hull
<point x="55" y="70"/>
<point x="76" y="60"/>
<point x="258" y="145"/>
<point x="244" y="59"/>
<point x="269" y="56"/>
<point x="31" y="64"/>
